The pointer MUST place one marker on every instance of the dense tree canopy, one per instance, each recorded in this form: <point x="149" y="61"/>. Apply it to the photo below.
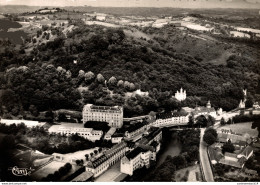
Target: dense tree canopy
<point x="48" y="73"/>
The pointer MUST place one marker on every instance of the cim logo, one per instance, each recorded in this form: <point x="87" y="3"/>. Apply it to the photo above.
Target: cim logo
<point x="21" y="171"/>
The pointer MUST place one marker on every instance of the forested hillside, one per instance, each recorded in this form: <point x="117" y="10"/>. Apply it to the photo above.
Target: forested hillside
<point x="94" y="64"/>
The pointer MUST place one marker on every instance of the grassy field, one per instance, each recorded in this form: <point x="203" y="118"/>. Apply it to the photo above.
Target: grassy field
<point x="48" y="169"/>
<point x="188" y="174"/>
<point x="242" y="128"/>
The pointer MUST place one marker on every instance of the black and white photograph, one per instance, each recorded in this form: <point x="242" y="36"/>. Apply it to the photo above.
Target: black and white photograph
<point x="129" y="91"/>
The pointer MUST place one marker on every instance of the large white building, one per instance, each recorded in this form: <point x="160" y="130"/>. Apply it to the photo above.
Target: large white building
<point x="171" y="119"/>
<point x="181" y="95"/>
<point x="112" y="115"/>
<point x="145" y="152"/>
<point x="109" y="158"/>
<point x="136" y="159"/>
<point x="87" y="133"/>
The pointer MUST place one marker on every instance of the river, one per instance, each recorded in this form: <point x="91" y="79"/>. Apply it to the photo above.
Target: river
<point x="173" y="148"/>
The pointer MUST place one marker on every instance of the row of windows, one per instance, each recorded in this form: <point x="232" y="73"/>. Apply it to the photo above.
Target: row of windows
<point x="105" y="115"/>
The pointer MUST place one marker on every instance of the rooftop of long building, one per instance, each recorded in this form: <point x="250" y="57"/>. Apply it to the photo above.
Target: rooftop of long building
<point x="154" y="132"/>
<point x="132" y="127"/>
<point x="166" y="115"/>
<point x="96" y="107"/>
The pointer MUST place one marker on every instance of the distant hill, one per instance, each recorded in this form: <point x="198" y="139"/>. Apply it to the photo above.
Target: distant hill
<point x="252" y="4"/>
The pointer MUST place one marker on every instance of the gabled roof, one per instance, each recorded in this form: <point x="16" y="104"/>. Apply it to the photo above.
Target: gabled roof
<point x="97" y="162"/>
<point x="204" y="109"/>
<point x="231" y="163"/>
<point x="135" y="152"/>
<point x="246" y="152"/>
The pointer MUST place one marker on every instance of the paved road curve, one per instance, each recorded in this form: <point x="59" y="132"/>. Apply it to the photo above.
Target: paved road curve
<point x="204" y="159"/>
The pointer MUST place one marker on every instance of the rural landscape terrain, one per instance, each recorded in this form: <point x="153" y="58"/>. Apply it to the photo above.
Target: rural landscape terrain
<point x="183" y="86"/>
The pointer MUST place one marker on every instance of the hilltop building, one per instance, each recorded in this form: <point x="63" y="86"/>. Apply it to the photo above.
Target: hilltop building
<point x="171" y="119"/>
<point x="109" y="158"/>
<point x="180" y="95"/>
<point x="112" y="115"/>
<point x="208" y="110"/>
<point x="242" y="103"/>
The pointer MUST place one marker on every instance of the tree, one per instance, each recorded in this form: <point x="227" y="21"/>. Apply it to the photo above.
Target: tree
<point x="87" y="157"/>
<point x="212" y="131"/>
<point x="201" y="121"/>
<point x="50" y="177"/>
<point x="78" y="162"/>
<point x="100" y="78"/>
<point x="56" y="174"/>
<point x="8" y="142"/>
<point x="81" y="74"/>
<point x="91" y="154"/>
<point x="229" y="121"/>
<point x="112" y="81"/>
<point x="68" y="166"/>
<point x="211" y="121"/>
<point x="89" y="77"/>
<point x="228" y="147"/>
<point x="191" y="121"/>
<point x="100" y="150"/>
<point x="96" y="152"/>
<point x="209" y="138"/>
<point x="33" y="110"/>
<point x="120" y="83"/>
<point x="222" y="121"/>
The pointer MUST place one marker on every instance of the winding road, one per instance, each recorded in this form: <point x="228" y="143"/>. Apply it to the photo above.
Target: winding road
<point x="205" y="163"/>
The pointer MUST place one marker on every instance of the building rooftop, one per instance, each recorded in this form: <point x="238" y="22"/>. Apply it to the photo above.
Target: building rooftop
<point x="171" y="114"/>
<point x="83" y="177"/>
<point x="98" y="161"/>
<point x="230" y="163"/>
<point x="135" y="152"/>
<point x="203" y="109"/>
<point x="115" y="149"/>
<point x="246" y="152"/>
<point x="96" y="107"/>
<point x="110" y="132"/>
<point x="132" y="127"/>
